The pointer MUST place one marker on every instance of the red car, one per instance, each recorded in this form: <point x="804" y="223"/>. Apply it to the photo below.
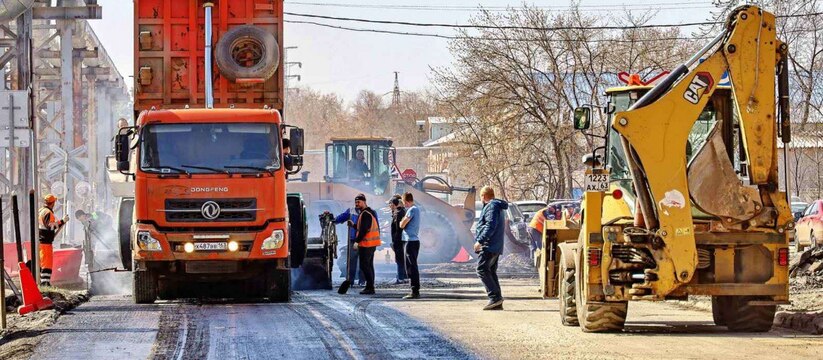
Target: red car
<point x="809" y="228"/>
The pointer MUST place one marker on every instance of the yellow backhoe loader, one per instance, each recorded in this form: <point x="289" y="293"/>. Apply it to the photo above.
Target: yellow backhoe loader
<point x="685" y="198"/>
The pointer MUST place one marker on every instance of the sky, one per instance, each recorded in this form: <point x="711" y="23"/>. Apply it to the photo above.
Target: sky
<point x="346" y="62"/>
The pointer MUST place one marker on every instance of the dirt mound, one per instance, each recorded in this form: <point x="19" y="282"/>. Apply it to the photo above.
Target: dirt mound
<point x="23" y="332"/>
<point x="509" y="263"/>
<point x="807" y="263"/>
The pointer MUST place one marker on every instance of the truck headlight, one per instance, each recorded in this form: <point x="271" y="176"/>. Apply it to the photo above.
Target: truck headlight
<point x="146" y="242"/>
<point x="273" y="242"/>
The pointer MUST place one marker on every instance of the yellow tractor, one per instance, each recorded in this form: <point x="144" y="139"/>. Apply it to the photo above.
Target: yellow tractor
<point x="684" y="198"/>
<point x="365" y="165"/>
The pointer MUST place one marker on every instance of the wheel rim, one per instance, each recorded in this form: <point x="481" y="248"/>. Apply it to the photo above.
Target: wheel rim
<point x="247" y="52"/>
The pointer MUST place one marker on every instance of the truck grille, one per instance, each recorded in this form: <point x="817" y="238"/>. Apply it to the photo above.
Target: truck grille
<point x="231" y="210"/>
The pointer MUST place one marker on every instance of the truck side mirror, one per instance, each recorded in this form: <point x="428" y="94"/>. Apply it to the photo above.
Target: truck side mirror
<point x="121" y="151"/>
<point x="582" y="118"/>
<point x="296" y="138"/>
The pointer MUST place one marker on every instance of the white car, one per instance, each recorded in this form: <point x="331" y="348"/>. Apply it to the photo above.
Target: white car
<point x="529" y="208"/>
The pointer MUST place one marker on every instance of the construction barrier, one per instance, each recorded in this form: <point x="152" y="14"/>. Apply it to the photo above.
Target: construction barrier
<point x="67" y="263"/>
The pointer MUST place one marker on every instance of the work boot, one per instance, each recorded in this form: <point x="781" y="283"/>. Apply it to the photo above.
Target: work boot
<point x="411" y="296"/>
<point x="494" y="305"/>
<point x="367" y="291"/>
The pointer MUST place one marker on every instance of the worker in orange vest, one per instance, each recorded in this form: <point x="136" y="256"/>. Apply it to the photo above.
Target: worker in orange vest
<point x="536" y="227"/>
<point x="366" y="241"/>
<point x="48" y="226"/>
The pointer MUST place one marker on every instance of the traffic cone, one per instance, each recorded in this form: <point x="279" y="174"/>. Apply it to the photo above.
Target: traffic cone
<point x="33" y="300"/>
<point x="462" y="256"/>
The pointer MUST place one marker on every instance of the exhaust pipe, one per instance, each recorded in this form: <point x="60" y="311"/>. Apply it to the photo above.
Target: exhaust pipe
<point x="208" y="5"/>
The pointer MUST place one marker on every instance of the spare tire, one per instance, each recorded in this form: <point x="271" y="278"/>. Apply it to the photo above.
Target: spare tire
<point x="247" y="52"/>
<point x="125" y="213"/>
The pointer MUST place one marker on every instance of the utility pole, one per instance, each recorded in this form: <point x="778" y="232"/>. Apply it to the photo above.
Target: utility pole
<point x="395" y="100"/>
<point x="287" y="67"/>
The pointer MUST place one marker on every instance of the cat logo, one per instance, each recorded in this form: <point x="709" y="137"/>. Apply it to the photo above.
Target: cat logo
<point x="701" y="83"/>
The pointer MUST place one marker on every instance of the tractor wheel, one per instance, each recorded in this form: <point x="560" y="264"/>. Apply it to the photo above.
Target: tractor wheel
<point x="144" y="289"/>
<point x="601" y="316"/>
<point x="438" y="240"/>
<point x="720" y="305"/>
<point x="568" y="307"/>
<point x="739" y="316"/>
<point x="247" y="52"/>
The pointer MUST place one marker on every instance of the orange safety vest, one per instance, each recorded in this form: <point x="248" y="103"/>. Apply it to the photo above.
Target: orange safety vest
<point x="539" y="220"/>
<point x="372" y="238"/>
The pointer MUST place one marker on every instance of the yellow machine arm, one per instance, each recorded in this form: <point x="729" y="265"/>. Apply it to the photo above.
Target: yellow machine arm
<point x="656" y="130"/>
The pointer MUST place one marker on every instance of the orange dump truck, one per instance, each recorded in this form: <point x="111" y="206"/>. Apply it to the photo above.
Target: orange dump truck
<point x="205" y="157"/>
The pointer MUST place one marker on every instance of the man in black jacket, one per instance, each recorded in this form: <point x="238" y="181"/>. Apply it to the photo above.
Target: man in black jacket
<point x="398" y="212"/>
<point x="366" y="241"/>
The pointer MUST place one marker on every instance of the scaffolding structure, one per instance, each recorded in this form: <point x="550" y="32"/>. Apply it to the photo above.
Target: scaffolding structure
<point x="77" y="97"/>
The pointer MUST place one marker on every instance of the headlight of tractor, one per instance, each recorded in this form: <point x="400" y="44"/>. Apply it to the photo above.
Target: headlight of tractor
<point x="148" y="243"/>
<point x="273" y="242"/>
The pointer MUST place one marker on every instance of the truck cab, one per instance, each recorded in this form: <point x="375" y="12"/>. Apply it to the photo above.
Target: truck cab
<point x="209" y="200"/>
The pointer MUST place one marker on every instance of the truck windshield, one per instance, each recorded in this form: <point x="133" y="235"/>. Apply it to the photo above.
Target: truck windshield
<point x="210" y="148"/>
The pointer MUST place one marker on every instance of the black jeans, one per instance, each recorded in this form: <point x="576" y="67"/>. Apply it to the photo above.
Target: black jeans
<point x="412" y="250"/>
<point x="400" y="259"/>
<point x="366" y="255"/>
<point x="487" y="271"/>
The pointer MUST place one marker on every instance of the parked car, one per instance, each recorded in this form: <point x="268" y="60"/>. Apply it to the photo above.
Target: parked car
<point x="797" y="209"/>
<point x="517" y="224"/>
<point x="809" y="229"/>
<point x="529" y="207"/>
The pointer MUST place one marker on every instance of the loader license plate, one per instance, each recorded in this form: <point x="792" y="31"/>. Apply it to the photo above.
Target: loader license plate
<point x="210" y="246"/>
<point x="597" y="182"/>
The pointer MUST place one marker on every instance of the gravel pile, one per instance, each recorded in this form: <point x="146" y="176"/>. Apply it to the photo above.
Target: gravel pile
<point x="509" y="263"/>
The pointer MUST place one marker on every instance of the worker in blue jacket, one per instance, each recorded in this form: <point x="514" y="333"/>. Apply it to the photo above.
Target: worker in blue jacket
<point x="489" y="245"/>
<point x="349" y="217"/>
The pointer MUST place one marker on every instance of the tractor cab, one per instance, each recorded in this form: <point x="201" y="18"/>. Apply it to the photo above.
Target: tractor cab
<point x="363" y="163"/>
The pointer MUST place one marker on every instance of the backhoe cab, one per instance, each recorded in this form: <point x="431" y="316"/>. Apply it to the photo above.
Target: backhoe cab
<point x="686" y="200"/>
<point x="362" y="163"/>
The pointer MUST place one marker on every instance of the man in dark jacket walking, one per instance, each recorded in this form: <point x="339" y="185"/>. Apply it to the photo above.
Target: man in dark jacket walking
<point x="398" y="212"/>
<point x="489" y="245"/>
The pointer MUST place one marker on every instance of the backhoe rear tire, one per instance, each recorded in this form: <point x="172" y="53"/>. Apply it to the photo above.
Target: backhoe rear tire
<point x="739" y="316"/>
<point x="720" y="305"/>
<point x="568" y="306"/>
<point x="145" y="287"/>
<point x="600" y="316"/>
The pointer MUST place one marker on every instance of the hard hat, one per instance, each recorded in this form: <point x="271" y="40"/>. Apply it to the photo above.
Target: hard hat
<point x="49" y="198"/>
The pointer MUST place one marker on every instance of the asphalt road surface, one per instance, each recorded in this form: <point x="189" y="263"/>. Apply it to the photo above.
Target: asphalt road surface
<point x="447" y="323"/>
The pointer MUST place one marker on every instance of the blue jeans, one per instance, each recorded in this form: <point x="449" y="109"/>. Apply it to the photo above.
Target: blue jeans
<point x="487" y="271"/>
<point x="399" y="259"/>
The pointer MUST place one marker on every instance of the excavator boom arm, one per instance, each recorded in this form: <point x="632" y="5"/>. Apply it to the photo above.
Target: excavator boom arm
<point x="656" y="131"/>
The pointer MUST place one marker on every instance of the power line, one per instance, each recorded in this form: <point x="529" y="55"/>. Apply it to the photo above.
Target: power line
<point x="510" y="27"/>
<point x="451" y="37"/>
<point x="504" y="27"/>
<point x="582" y="7"/>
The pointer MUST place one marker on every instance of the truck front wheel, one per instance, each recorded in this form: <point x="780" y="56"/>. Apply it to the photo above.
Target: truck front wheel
<point x="278" y="285"/>
<point x="145" y="287"/>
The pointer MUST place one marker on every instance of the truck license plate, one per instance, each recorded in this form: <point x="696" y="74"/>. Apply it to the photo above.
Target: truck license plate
<point x="207" y="246"/>
<point x="597" y="182"/>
